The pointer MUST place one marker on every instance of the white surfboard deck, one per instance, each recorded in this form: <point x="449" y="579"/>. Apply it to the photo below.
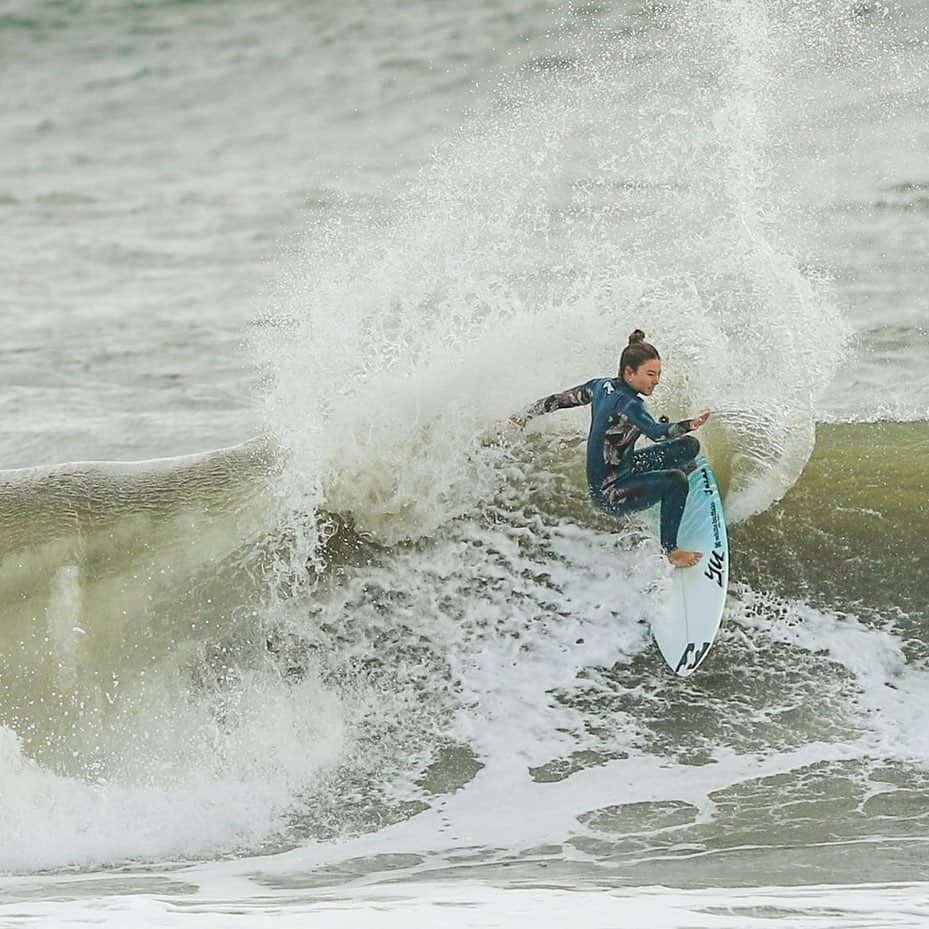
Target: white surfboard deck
<point x="685" y="632"/>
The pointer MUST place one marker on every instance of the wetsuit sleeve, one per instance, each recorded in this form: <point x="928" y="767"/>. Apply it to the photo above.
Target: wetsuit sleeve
<point x="643" y="421"/>
<point x="576" y="396"/>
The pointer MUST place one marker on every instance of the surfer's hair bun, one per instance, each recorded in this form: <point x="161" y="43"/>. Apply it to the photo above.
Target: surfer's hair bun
<point x="637" y="352"/>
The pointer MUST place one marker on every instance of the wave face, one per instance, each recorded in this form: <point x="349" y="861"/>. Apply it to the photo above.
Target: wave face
<point x="129" y="681"/>
<point x="390" y="630"/>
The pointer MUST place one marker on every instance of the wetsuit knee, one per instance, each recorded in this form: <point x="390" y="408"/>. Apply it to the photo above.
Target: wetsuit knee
<point x="679" y="478"/>
<point x="691" y="445"/>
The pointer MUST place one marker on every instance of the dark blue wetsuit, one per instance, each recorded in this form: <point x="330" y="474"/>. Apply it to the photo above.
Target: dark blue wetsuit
<point x="620" y="478"/>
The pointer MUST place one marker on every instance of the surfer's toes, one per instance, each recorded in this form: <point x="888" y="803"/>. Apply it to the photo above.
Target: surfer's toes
<point x="682" y="559"/>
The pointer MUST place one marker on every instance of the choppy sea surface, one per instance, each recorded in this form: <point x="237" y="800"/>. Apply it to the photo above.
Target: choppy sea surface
<point x="293" y="630"/>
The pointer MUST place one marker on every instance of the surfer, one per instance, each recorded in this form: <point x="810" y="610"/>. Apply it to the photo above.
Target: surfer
<point x="620" y="478"/>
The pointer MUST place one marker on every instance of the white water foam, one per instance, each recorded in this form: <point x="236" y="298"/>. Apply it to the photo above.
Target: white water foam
<point x="184" y="780"/>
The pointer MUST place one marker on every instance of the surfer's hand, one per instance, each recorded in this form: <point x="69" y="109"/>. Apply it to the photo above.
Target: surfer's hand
<point x="517" y="421"/>
<point x="700" y="420"/>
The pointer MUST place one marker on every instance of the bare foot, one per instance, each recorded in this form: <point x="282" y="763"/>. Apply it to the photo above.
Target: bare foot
<point x="681" y="559"/>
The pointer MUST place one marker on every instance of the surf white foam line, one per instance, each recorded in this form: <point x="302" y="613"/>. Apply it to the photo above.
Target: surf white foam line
<point x="470" y="905"/>
<point x="880" y="409"/>
<point x="504" y="812"/>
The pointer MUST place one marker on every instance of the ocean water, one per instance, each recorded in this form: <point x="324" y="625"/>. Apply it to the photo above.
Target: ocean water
<point x="293" y="629"/>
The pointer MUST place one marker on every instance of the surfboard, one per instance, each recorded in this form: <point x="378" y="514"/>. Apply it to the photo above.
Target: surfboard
<point x="685" y="631"/>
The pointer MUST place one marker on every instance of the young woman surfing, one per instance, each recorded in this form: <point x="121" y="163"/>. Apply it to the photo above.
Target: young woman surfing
<point x="620" y="478"/>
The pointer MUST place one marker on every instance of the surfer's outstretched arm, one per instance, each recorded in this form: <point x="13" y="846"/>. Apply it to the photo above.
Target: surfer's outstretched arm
<point x="576" y="396"/>
<point x="661" y="430"/>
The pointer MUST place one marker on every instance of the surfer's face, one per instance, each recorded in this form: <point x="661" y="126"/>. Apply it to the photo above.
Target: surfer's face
<point x="645" y="378"/>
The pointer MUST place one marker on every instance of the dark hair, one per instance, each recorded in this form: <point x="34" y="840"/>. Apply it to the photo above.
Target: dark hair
<point x="637" y="352"/>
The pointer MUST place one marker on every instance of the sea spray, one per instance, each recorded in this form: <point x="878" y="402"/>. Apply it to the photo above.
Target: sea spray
<point x="594" y="199"/>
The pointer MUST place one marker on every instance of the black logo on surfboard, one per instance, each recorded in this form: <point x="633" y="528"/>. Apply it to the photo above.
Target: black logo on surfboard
<point x="694" y="654"/>
<point x="707" y="486"/>
<point x="714" y="570"/>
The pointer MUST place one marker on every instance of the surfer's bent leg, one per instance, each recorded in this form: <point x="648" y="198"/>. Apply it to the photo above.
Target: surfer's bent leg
<point x="633" y="492"/>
